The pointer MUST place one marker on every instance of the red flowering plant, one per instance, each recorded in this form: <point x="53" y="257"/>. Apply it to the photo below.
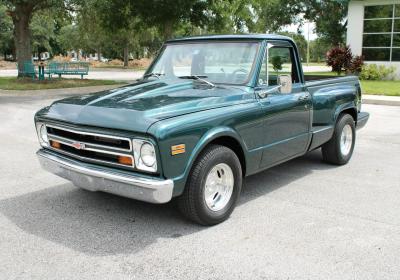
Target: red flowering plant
<point x="341" y="60"/>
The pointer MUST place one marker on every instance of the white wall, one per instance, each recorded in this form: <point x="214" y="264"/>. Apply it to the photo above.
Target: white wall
<point x="355" y="27"/>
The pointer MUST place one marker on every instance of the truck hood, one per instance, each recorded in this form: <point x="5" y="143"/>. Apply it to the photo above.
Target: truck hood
<point x="136" y="107"/>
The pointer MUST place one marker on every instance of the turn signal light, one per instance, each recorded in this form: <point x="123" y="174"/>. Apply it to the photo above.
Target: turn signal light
<point x="178" y="149"/>
<point x="125" y="160"/>
<point x="55" y="144"/>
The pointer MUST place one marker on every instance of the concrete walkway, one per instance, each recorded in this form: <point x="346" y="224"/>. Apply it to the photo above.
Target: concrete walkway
<point x="381" y="100"/>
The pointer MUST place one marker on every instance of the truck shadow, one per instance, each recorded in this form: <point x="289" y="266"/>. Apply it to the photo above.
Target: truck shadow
<point x="279" y="176"/>
<point x="104" y="224"/>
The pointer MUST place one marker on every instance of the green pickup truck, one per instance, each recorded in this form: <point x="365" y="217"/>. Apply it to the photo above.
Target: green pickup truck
<point x="209" y="111"/>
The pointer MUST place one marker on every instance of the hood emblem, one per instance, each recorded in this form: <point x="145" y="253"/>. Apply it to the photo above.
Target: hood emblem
<point x="78" y="145"/>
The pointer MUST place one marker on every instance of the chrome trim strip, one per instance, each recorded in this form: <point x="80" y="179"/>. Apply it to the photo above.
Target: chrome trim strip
<point x="60" y="138"/>
<point x="89" y="159"/>
<point x="95" y="178"/>
<point x="92" y="134"/>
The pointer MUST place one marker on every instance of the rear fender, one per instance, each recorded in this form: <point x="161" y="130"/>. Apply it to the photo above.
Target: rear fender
<point x="350" y="106"/>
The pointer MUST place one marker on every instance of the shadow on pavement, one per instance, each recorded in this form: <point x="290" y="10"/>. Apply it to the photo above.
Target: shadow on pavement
<point x="104" y="224"/>
<point x="279" y="176"/>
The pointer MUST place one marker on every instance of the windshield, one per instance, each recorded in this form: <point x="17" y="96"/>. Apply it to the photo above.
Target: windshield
<point x="216" y="62"/>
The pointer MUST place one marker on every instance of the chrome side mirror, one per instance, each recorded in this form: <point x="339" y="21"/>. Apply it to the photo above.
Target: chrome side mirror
<point x="285" y="83"/>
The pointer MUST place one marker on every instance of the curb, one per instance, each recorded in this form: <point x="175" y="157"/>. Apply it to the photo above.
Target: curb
<point x="381" y="100"/>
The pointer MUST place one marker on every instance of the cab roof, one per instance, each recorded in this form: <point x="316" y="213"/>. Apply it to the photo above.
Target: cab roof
<point x="233" y="37"/>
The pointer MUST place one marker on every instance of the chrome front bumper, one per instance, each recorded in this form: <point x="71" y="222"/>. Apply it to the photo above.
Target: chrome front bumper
<point x="95" y="178"/>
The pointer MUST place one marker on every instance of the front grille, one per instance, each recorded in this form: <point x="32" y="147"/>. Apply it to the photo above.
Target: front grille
<point x="90" y="138"/>
<point x="90" y="147"/>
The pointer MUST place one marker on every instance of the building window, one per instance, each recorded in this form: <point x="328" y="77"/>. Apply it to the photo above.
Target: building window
<point x="381" y="36"/>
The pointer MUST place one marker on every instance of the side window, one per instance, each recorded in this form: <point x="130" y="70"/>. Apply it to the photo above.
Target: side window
<point x="280" y="61"/>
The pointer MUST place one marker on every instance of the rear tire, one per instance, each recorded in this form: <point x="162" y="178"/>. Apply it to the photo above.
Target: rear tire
<point x="213" y="186"/>
<point x="340" y="148"/>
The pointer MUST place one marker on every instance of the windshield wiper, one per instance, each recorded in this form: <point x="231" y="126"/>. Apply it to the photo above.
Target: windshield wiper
<point x="198" y="78"/>
<point x="157" y="75"/>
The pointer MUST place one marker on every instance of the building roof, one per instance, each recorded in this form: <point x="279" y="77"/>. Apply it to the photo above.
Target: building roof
<point x="234" y="37"/>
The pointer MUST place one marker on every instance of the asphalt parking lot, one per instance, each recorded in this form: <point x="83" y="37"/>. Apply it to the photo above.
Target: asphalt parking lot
<point x="300" y="220"/>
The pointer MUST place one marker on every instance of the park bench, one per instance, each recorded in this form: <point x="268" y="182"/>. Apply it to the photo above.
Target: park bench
<point x="67" y="68"/>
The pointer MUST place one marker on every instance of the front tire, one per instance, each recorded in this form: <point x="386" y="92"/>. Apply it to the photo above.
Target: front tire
<point x="340" y="148"/>
<point x="213" y="186"/>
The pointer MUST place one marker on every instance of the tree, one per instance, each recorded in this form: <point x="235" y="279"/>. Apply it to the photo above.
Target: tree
<point x="21" y="12"/>
<point x="232" y="16"/>
<point x="329" y="17"/>
<point x="301" y="43"/>
<point x="6" y="32"/>
<point x="68" y="38"/>
<point x="168" y="14"/>
<point x="42" y="32"/>
<point x="272" y="15"/>
<point x="318" y="49"/>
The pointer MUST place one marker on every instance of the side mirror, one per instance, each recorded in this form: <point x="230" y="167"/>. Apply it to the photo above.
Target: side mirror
<point x="285" y="83"/>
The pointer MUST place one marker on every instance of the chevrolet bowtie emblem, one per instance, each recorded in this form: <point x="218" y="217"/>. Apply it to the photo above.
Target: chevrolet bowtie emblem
<point x="78" y="145"/>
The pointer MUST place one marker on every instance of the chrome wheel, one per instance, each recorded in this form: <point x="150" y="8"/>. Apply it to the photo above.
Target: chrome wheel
<point x="219" y="187"/>
<point x="346" y="140"/>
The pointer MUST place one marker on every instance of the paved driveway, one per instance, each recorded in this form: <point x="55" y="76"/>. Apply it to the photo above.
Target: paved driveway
<point x="300" y="220"/>
<point x="95" y="74"/>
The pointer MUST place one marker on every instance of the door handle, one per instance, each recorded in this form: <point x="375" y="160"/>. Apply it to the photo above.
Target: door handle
<point x="304" y="97"/>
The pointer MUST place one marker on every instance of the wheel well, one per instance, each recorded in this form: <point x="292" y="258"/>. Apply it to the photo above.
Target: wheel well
<point x="235" y="146"/>
<point x="352" y="112"/>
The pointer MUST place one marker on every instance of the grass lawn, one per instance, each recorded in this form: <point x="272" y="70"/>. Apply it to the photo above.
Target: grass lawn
<point x="326" y="73"/>
<point x="12" y="83"/>
<point x="389" y="88"/>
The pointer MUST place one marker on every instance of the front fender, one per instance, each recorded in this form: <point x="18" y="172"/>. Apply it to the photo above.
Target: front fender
<point x="206" y="139"/>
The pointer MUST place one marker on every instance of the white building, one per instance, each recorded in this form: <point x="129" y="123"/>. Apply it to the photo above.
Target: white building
<point x="374" y="31"/>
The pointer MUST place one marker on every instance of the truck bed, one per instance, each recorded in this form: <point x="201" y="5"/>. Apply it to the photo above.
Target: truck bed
<point x="330" y="96"/>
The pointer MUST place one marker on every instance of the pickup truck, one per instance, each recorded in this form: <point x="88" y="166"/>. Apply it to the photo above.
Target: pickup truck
<point x="209" y="111"/>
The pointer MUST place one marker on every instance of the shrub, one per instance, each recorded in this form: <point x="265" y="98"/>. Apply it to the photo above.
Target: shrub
<point x="341" y="59"/>
<point x="277" y="63"/>
<point x="375" y="72"/>
<point x="356" y="65"/>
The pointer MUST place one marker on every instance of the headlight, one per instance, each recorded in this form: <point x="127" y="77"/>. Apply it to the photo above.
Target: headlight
<point x="148" y="155"/>
<point x="42" y="134"/>
<point x="145" y="155"/>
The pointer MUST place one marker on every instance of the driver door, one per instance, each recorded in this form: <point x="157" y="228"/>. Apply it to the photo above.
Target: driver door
<point x="286" y="116"/>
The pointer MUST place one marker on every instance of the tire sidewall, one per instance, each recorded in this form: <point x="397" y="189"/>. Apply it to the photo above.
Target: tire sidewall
<point x="343" y="121"/>
<point x="228" y="157"/>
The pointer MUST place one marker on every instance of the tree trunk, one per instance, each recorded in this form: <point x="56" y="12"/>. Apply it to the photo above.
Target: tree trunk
<point x="126" y="56"/>
<point x="98" y="54"/>
<point x="168" y="29"/>
<point x="21" y="17"/>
